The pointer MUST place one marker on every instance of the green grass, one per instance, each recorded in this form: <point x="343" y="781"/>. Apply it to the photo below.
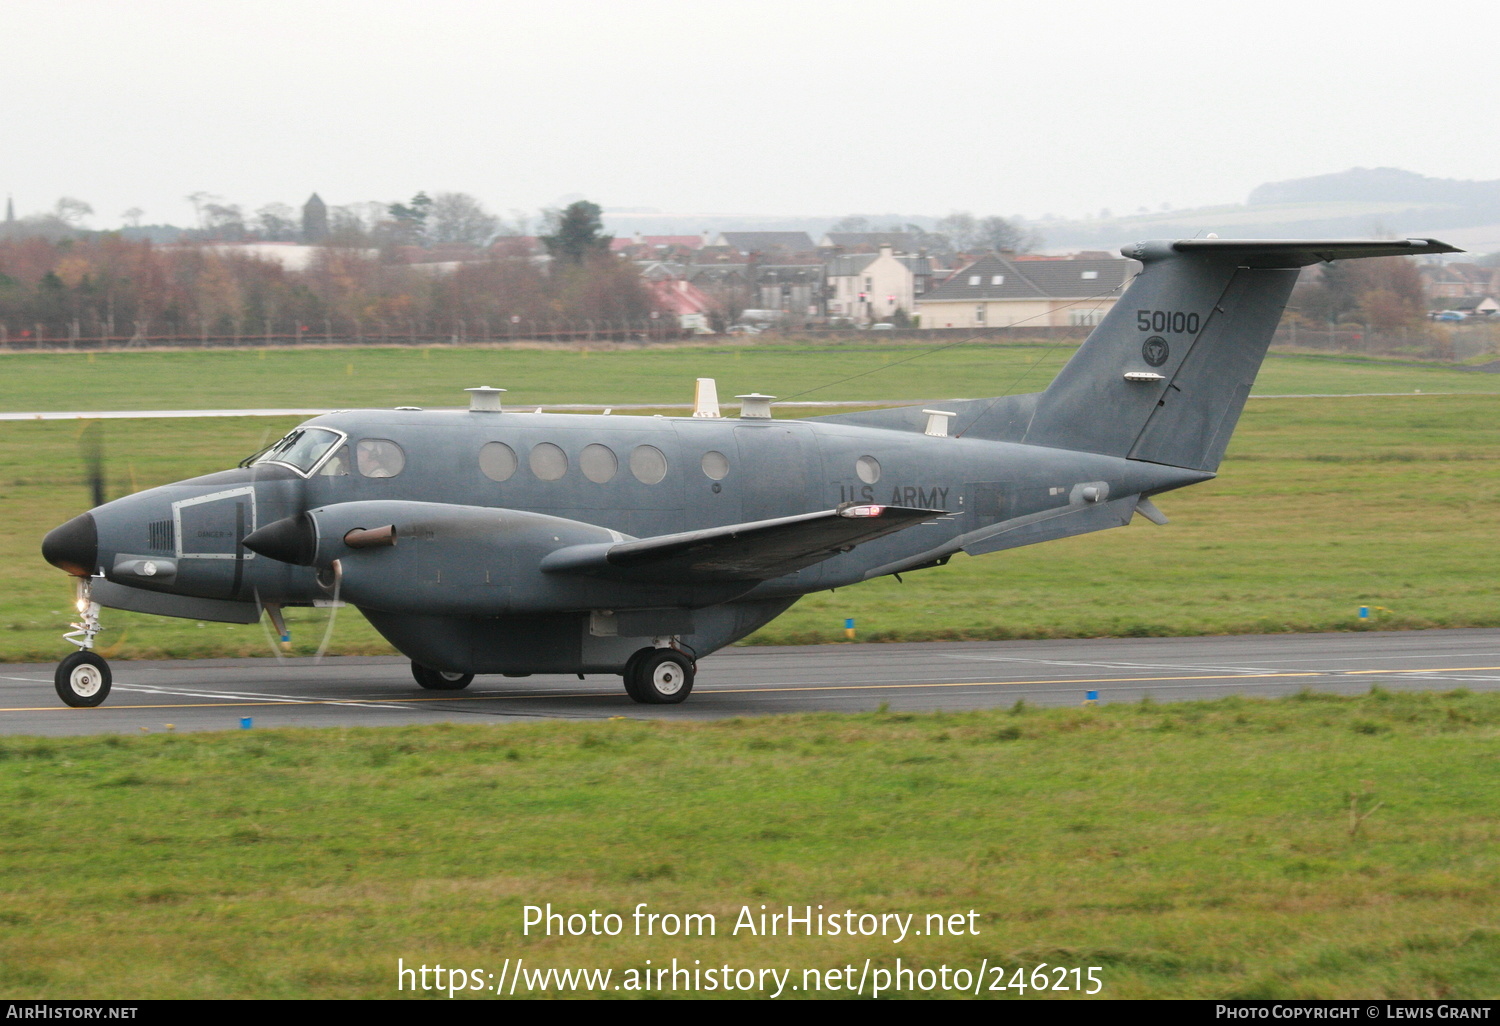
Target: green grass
<point x="435" y="376"/>
<point x="1192" y="850"/>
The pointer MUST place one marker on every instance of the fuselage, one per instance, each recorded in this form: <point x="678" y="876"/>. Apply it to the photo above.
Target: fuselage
<point x="638" y="476"/>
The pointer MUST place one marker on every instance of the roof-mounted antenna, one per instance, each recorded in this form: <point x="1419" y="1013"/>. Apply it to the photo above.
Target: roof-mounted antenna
<point x="485" y="399"/>
<point x="706" y="398"/>
<point x="755" y="406"/>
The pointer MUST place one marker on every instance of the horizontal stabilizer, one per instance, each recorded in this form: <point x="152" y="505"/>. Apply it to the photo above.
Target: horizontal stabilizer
<point x="1301" y="252"/>
<point x="756" y="551"/>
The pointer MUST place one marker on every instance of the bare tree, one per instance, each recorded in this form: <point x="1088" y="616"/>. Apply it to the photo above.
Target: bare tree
<point x="459" y="217"/>
<point x="852" y="223"/>
<point x="966" y="233"/>
<point x="223" y="221"/>
<point x="198" y="199"/>
<point x="71" y="211"/>
<point x="277" y="222"/>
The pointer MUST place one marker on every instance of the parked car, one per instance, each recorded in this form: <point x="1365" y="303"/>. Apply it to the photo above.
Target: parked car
<point x="1449" y="315"/>
<point x="882" y="327"/>
<point x="743" y="329"/>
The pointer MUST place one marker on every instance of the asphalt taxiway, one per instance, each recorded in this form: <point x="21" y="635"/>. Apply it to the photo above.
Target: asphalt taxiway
<point x="219" y="694"/>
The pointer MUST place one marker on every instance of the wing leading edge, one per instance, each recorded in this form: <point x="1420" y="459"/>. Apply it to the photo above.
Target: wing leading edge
<point x="757" y="551"/>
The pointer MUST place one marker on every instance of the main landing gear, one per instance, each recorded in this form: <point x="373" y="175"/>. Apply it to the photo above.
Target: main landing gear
<point x="83" y="678"/>
<point x="440" y="680"/>
<point x="659" y="676"/>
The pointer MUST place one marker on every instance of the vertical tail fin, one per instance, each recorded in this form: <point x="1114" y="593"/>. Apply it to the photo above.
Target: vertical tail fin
<point x="1164" y="376"/>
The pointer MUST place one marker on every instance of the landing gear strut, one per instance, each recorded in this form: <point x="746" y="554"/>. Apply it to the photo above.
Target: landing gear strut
<point x="83" y="678"/>
<point x="659" y="676"/>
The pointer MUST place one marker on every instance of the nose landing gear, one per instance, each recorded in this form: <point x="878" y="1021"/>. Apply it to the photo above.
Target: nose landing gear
<point x="83" y="678"/>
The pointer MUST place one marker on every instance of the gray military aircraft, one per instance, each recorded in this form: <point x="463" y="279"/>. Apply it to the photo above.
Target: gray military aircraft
<point x="483" y="541"/>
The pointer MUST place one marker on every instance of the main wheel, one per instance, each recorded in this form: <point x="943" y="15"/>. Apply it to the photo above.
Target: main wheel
<point x="660" y="676"/>
<point x="630" y="677"/>
<point x="82" y="679"/>
<point x="440" y="680"/>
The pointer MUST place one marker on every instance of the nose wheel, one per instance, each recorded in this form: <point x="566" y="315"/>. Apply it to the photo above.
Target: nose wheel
<point x="83" y="678"/>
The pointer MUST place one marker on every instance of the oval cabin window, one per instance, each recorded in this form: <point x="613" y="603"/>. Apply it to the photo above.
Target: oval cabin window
<point x="548" y="462"/>
<point x="648" y="464"/>
<point x="716" y="465"/>
<point x="498" y="461"/>
<point x="598" y="463"/>
<point x="379" y="457"/>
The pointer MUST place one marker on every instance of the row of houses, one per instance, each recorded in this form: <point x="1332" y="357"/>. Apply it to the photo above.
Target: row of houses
<point x="860" y="278"/>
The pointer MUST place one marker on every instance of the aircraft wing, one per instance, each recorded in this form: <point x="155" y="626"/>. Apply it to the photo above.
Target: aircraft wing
<point x="757" y="551"/>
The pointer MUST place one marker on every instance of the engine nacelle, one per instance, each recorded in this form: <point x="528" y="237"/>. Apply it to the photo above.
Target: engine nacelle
<point x="438" y="558"/>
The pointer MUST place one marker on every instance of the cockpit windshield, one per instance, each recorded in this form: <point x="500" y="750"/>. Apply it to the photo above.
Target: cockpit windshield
<point x="302" y="449"/>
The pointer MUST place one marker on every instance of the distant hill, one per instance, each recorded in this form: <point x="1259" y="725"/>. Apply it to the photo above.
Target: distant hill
<point x="1380" y="185"/>
<point x="1357" y="202"/>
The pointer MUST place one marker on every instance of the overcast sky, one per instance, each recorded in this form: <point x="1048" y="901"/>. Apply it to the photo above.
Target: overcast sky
<point x="765" y="107"/>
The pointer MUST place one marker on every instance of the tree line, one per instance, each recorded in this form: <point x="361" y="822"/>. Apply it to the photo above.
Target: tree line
<point x="104" y="285"/>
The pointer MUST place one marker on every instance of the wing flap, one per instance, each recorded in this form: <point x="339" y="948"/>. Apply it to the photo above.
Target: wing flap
<point x="757" y="551"/>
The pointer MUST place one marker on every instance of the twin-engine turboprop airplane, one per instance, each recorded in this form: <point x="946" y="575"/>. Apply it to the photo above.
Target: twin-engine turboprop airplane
<point x="482" y="541"/>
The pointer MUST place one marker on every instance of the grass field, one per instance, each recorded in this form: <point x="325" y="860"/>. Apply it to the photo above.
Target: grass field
<point x="1323" y="506"/>
<point x="1306" y="847"/>
<point x="435" y="376"/>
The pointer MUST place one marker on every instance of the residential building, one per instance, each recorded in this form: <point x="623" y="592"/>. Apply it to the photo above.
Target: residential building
<point x="766" y="243"/>
<point x="997" y="292"/>
<point x="869" y="287"/>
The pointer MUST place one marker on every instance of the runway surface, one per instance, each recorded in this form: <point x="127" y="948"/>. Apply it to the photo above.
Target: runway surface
<point x="215" y="694"/>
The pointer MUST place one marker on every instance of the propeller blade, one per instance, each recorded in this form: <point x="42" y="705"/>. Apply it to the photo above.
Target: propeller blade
<point x="338" y="583"/>
<point x="91" y="448"/>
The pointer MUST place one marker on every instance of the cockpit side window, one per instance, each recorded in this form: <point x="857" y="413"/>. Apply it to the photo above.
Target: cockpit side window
<point x="302" y="448"/>
<point x="337" y="465"/>
<point x="379" y="457"/>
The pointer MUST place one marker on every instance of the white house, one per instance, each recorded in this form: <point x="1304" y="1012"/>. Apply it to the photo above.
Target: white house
<point x="996" y="292"/>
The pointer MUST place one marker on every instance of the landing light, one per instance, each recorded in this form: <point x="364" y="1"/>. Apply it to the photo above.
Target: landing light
<point x="863" y="511"/>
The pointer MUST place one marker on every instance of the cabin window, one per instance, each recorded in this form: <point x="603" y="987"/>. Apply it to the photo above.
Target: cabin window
<point x="379" y="457"/>
<point x="337" y="465"/>
<point x="548" y="462"/>
<point x="716" y="465"/>
<point x="598" y="463"/>
<point x="498" y="461"/>
<point x="868" y="469"/>
<point x="648" y="464"/>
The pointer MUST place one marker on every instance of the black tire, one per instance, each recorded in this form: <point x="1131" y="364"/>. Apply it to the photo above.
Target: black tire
<point x="661" y="676"/>
<point x="629" y="674"/>
<point x="440" y="680"/>
<point x="83" y="680"/>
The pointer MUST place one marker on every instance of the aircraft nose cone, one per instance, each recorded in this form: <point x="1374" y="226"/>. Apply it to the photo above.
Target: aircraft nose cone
<point x="74" y="546"/>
